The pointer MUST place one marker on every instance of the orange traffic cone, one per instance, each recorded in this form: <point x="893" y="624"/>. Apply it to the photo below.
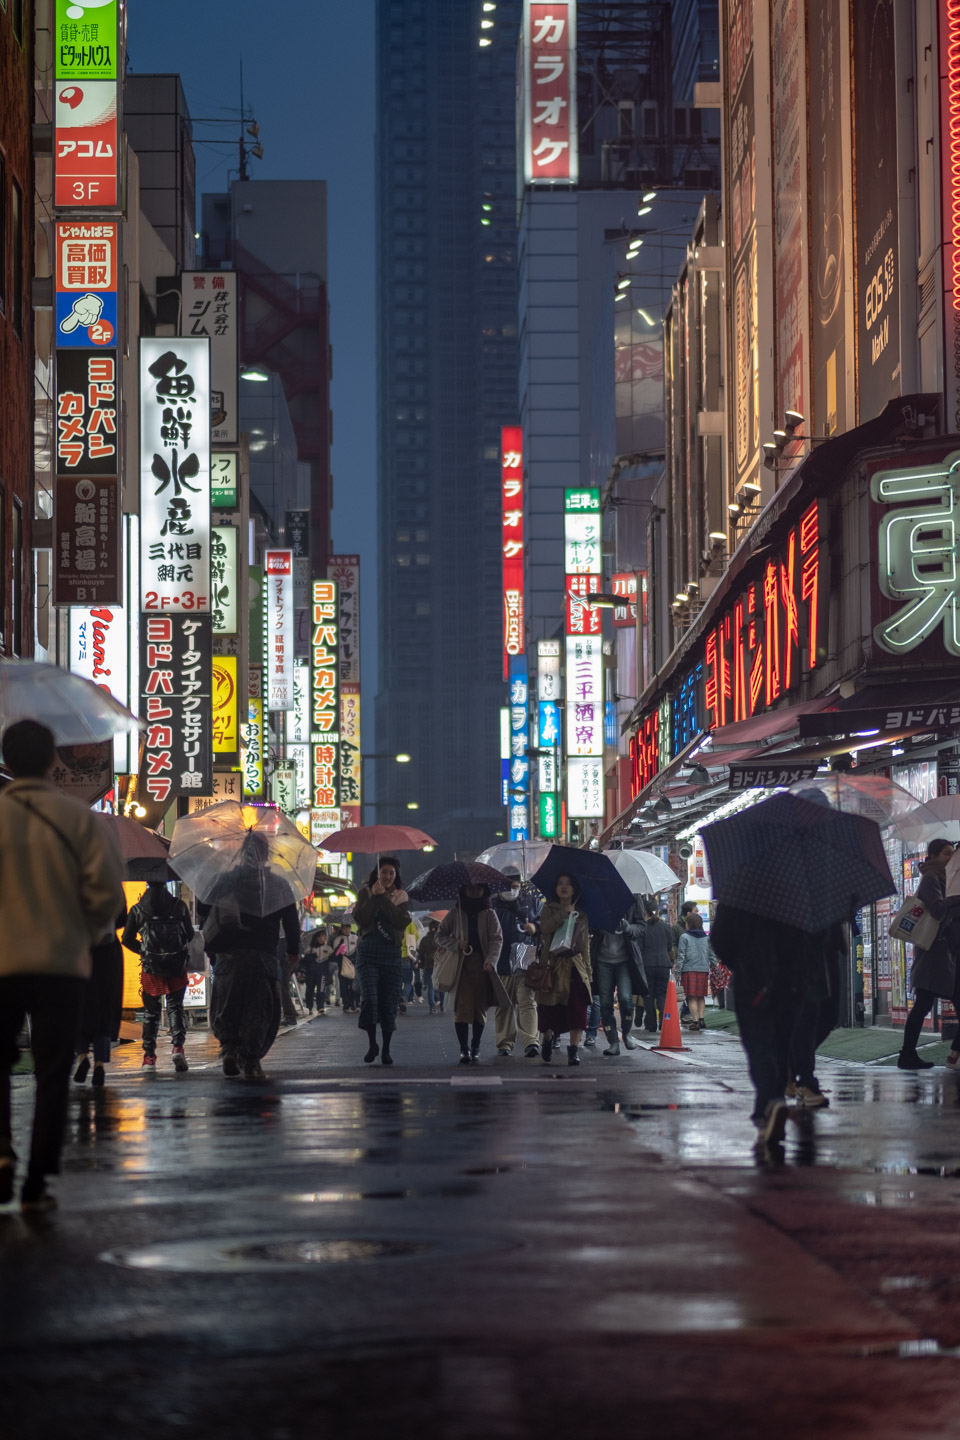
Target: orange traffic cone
<point x="670" y="1037"/>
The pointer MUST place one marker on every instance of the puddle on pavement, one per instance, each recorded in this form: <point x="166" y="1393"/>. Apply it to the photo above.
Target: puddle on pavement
<point x="939" y="1172"/>
<point x="295" y="1252"/>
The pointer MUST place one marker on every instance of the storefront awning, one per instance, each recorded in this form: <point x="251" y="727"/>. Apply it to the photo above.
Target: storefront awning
<point x="888" y="709"/>
<point x="773" y="726"/>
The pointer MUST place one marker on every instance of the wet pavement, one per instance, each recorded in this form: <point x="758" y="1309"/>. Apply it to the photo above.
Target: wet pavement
<point x="514" y="1250"/>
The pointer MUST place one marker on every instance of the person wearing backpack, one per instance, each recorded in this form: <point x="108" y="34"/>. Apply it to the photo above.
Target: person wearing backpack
<point x="159" y="930"/>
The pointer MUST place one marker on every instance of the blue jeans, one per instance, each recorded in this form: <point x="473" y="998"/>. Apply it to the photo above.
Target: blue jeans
<point x="434" y="996"/>
<point x="593" y="1019"/>
<point x="610" y="977"/>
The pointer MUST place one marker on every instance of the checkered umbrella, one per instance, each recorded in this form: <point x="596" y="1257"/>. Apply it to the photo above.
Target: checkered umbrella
<point x="442" y="884"/>
<point x="793" y="860"/>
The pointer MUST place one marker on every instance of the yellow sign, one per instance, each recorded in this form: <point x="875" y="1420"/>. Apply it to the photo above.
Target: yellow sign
<point x="226" y="723"/>
<point x="133" y="890"/>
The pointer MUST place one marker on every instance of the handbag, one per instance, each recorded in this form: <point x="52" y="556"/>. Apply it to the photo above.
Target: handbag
<point x="446" y="968"/>
<point x="539" y="976"/>
<point x="563" y="935"/>
<point x="914" y="924"/>
<point x="347" y="969"/>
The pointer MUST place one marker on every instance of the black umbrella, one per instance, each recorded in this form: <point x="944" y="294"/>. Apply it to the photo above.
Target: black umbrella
<point x="604" y="897"/>
<point x="442" y="884"/>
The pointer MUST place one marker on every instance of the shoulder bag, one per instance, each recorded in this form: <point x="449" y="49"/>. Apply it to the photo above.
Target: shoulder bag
<point x="914" y="924"/>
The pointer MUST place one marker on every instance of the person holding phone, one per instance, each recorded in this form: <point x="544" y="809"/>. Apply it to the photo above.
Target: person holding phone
<point x="381" y="916"/>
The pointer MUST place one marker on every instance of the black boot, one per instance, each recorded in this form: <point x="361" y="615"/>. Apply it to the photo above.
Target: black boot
<point x="385" y="1057"/>
<point x="374" y="1050"/>
<point x="546" y="1049"/>
<point x="910" y="1060"/>
<point x="573" y="1054"/>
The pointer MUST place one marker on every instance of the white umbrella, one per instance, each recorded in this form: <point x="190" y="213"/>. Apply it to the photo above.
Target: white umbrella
<point x="526" y="855"/>
<point x="74" y="709"/>
<point x="644" y="872"/>
<point x="933" y="820"/>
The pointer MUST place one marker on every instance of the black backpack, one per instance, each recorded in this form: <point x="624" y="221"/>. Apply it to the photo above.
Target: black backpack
<point x="163" y="941"/>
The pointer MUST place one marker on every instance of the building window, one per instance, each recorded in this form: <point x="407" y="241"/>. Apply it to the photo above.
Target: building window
<point x="16" y="613"/>
<point x="16" y="237"/>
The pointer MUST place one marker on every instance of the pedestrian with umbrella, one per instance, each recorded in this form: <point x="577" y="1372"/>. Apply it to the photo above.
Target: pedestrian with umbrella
<point x="788" y="874"/>
<point x="159" y="930"/>
<point x="381" y="916"/>
<point x="248" y="867"/>
<point x="472" y="929"/>
<point x="935" y="970"/>
<point x="563" y="978"/>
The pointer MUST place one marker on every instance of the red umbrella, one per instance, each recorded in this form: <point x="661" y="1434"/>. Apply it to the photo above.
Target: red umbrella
<point x="375" y="839"/>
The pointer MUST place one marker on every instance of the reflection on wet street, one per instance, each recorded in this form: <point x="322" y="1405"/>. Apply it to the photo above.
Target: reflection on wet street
<point x="285" y="1232"/>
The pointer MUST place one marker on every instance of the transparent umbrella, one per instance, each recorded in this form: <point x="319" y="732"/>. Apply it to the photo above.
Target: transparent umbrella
<point x="245" y="856"/>
<point x="937" y="819"/>
<point x="644" y="872"/>
<point x="77" y="711"/>
<point x="526" y="855"/>
<point x="873" y="796"/>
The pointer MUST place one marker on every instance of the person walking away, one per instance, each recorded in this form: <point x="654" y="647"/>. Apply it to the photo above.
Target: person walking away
<point x="102" y="1004"/>
<point x="411" y="938"/>
<point x="656" y="962"/>
<point x="159" y="930"/>
<point x="615" y="964"/>
<point x="344" y="953"/>
<point x="245" y="1004"/>
<point x="60" y="887"/>
<point x="382" y="916"/>
<point x="693" y="969"/>
<point x="286" y="969"/>
<point x="426" y="954"/>
<point x="562" y="1006"/>
<point x="473" y="928"/>
<point x="515" y="916"/>
<point x="816" y="1015"/>
<point x="680" y="928"/>
<point x="776" y="969"/>
<point x="935" y="971"/>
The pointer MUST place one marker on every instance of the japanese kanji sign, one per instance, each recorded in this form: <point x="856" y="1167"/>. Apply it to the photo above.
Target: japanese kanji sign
<point x="584" y="695"/>
<point x="175" y="690"/>
<point x="624" y="584"/>
<point x="86" y="526"/>
<point x="253" y="751"/>
<point x="511" y="496"/>
<point x="86" y="40"/>
<point x="549" y="686"/>
<point x="174" y="474"/>
<point x="87" y="410"/>
<point x="351" y="763"/>
<point x="224" y="579"/>
<point x="584" y="788"/>
<point x="86" y="283"/>
<point x="917" y="551"/>
<point x="226" y="708"/>
<point x="325" y="701"/>
<point x="550" y="92"/>
<point x="209" y="311"/>
<point x="297" y="732"/>
<point x="278" y="615"/>
<point x="86" y="145"/>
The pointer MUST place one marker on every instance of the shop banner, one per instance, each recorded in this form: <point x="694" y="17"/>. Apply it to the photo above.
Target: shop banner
<point x="224" y="579"/>
<point x="86" y="283"/>
<point x="511" y="506"/>
<point x="209" y="312"/>
<point x="549" y="92"/>
<point x="86" y="541"/>
<point x="253" y="751"/>
<point x="87" y="410"/>
<point x="176" y="654"/>
<point x="351" y="763"/>
<point x="345" y="570"/>
<point x="624" y="585"/>
<point x="787" y="55"/>
<point x="584" y="788"/>
<point x="226" y="710"/>
<point x="86" y="145"/>
<point x="828" y="257"/>
<point x="325" y="701"/>
<point x="278" y="614"/>
<point x="770" y="777"/>
<point x="224" y="472"/>
<point x="86" y="40"/>
<point x="174" y="474"/>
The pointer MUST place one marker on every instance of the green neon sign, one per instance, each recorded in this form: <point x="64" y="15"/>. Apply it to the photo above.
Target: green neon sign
<point x="87" y="40"/>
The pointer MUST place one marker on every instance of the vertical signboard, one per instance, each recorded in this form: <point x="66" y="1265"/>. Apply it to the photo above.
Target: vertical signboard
<point x="86" y="283"/>
<point x="584" y="788"/>
<point x="100" y="651"/>
<point x="511" y="497"/>
<point x="176" y="654"/>
<point x="351" y="761"/>
<point x="325" y="700"/>
<point x="877" y="208"/>
<point x="174" y="474"/>
<point x="345" y="570"/>
<point x="208" y="301"/>
<point x="226" y="710"/>
<point x="278" y="615"/>
<point x="828" y="258"/>
<point x="87" y="122"/>
<point x="86" y="523"/>
<point x="549" y="90"/>
<point x="949" y="51"/>
<point x="224" y="579"/>
<point x="519" y="776"/>
<point x="741" y="149"/>
<point x="253" y="751"/>
<point x="787" y="57"/>
<point x="297" y="732"/>
<point x="224" y="472"/>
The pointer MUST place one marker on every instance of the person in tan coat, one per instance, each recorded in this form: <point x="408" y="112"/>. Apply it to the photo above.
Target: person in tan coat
<point x="60" y="890"/>
<point x="473" y="929"/>
<point x="563" y="1006"/>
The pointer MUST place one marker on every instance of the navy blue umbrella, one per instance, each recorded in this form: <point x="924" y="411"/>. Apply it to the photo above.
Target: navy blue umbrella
<point x="805" y="864"/>
<point x="604" y="897"/>
<point x="442" y="884"/>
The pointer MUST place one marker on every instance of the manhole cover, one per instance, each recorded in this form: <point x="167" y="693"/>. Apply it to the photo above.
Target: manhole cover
<point x="294" y="1251"/>
<point x="325" y="1252"/>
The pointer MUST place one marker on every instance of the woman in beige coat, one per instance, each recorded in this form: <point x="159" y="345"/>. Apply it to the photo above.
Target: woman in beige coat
<point x="473" y="929"/>
<point x="563" y="1007"/>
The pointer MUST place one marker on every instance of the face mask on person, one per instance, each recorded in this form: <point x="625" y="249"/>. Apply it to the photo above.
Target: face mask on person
<point x="510" y="894"/>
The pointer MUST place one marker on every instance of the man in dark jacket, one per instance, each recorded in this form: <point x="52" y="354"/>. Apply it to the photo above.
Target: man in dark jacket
<point x="159" y="930"/>
<point x="516" y="916"/>
<point x="656" y="962"/>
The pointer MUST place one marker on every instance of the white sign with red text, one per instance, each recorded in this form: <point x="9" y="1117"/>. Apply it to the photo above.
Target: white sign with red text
<point x="278" y="580"/>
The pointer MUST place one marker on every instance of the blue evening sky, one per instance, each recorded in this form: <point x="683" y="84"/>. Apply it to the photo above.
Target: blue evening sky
<point x="308" y="76"/>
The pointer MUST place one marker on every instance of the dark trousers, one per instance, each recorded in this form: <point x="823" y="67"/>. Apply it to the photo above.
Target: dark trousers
<point x="658" y="977"/>
<point x="287" y="968"/>
<point x="316" y="989"/>
<point x="766" y="1031"/>
<point x="153" y="1005"/>
<point x="922" y="1006"/>
<point x="610" y="977"/>
<point x="380" y="985"/>
<point x="53" y="1003"/>
<point x="803" y="1043"/>
<point x="346" y="993"/>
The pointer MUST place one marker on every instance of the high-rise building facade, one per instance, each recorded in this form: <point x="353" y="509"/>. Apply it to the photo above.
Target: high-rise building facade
<point x="447" y="382"/>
